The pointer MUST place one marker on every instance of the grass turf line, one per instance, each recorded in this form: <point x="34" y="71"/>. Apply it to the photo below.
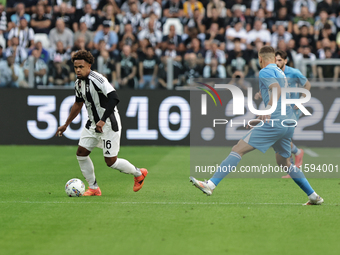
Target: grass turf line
<point x="37" y="217"/>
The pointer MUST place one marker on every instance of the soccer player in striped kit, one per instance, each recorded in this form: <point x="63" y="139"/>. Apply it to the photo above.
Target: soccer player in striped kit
<point x="103" y="128"/>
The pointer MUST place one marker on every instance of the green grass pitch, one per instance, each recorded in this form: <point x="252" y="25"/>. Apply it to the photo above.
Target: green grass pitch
<point x="168" y="216"/>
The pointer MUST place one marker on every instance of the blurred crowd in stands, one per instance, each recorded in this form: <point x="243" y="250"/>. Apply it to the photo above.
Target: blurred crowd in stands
<point x="132" y="40"/>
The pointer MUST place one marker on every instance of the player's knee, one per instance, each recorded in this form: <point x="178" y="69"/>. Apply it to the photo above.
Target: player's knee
<point x="82" y="152"/>
<point x="110" y="161"/>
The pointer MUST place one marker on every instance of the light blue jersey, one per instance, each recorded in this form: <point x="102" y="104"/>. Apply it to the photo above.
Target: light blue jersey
<point x="267" y="76"/>
<point x="276" y="134"/>
<point x="295" y="79"/>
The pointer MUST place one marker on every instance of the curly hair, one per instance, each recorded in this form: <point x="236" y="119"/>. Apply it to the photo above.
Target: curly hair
<point x="83" y="55"/>
<point x="281" y="53"/>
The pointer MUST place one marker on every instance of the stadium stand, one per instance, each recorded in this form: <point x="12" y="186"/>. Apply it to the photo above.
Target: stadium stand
<point x="197" y="36"/>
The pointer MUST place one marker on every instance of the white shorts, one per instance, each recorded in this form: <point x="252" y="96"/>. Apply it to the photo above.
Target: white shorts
<point x="109" y="140"/>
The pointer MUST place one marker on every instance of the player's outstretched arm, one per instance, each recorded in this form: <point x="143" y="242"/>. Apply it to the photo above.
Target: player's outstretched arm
<point x="75" y="110"/>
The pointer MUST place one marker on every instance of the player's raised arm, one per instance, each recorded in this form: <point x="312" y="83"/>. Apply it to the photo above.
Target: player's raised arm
<point x="75" y="110"/>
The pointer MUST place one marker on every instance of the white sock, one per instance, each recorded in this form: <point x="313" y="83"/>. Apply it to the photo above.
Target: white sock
<point x="87" y="168"/>
<point x="211" y="185"/>
<point x="298" y="152"/>
<point x="126" y="167"/>
<point x="313" y="196"/>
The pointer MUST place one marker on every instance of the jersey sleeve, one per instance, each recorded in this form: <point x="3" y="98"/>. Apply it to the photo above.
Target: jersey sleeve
<point x="79" y="98"/>
<point x="300" y="78"/>
<point x="267" y="78"/>
<point x="101" y="83"/>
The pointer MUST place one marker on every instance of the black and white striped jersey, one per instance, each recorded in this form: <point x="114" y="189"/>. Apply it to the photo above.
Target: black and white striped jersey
<point x="93" y="92"/>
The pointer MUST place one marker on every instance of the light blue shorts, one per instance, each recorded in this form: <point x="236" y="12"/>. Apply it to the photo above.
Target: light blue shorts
<point x="271" y="135"/>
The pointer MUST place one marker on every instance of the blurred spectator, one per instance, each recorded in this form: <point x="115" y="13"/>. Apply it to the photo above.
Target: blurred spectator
<point x="326" y="33"/>
<point x="70" y="66"/>
<point x="148" y="69"/>
<point x="214" y="18"/>
<point x="150" y="6"/>
<point x="133" y="17"/>
<point x="190" y="6"/>
<point x="126" y="69"/>
<point x="236" y="32"/>
<point x="101" y="7"/>
<point x="171" y="52"/>
<point x="163" y="74"/>
<point x="196" y="22"/>
<point x="10" y="72"/>
<point x="80" y="44"/>
<point x="258" y="32"/>
<point x="214" y="70"/>
<point x="261" y="16"/>
<point x="173" y="9"/>
<point x="86" y="34"/>
<point x="64" y="7"/>
<point x="219" y="6"/>
<point x="40" y="21"/>
<point x="328" y="71"/>
<point x="307" y="54"/>
<point x="266" y="5"/>
<point x="284" y="19"/>
<point x="303" y="19"/>
<point x="328" y="5"/>
<point x="254" y="58"/>
<point x="19" y="53"/>
<point x="302" y="43"/>
<point x="19" y="13"/>
<point x="237" y="66"/>
<point x="24" y="34"/>
<point x="284" y="4"/>
<point x="243" y="5"/>
<point x="213" y="35"/>
<point x="299" y="4"/>
<point x="126" y="6"/>
<point x="43" y="53"/>
<point x="110" y="37"/>
<point x="127" y="38"/>
<point x="303" y="32"/>
<point x="281" y="34"/>
<point x="59" y="54"/>
<point x="64" y="12"/>
<point x="192" y="33"/>
<point x="154" y="36"/>
<point x="325" y="43"/>
<point x="110" y="18"/>
<point x="175" y="38"/>
<point x="3" y="19"/>
<point x="58" y="75"/>
<point x="61" y="33"/>
<point x="214" y="52"/>
<point x="319" y="24"/>
<point x="195" y="47"/>
<point x="192" y="70"/>
<point x="40" y="69"/>
<point x="106" y="65"/>
<point x="2" y="54"/>
<point x="92" y="20"/>
<point x="237" y="16"/>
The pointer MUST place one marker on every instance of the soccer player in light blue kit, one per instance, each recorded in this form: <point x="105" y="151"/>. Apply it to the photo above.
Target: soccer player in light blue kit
<point x="270" y="134"/>
<point x="295" y="79"/>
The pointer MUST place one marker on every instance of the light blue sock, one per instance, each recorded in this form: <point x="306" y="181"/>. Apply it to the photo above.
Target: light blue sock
<point x="294" y="149"/>
<point x="300" y="179"/>
<point x="226" y="166"/>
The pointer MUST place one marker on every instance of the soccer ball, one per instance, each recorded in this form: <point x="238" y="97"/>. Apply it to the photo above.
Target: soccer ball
<point x="75" y="188"/>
